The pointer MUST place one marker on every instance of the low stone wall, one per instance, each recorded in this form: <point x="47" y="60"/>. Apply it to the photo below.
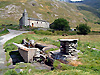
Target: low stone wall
<point x="28" y="54"/>
<point x="24" y="54"/>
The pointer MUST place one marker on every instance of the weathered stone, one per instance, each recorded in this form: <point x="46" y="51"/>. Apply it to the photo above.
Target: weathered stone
<point x="19" y="70"/>
<point x="11" y="66"/>
<point x="46" y="48"/>
<point x="10" y="60"/>
<point x="24" y="41"/>
<point x="68" y="46"/>
<point x="26" y="53"/>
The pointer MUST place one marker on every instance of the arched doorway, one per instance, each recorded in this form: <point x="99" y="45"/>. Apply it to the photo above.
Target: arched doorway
<point x="32" y="24"/>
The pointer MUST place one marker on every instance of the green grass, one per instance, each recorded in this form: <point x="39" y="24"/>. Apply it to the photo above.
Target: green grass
<point x="47" y="51"/>
<point x="89" y="58"/>
<point x="4" y="32"/>
<point x="10" y="47"/>
<point x="90" y="62"/>
<point x="4" y="3"/>
<point x="11" y="72"/>
<point x="14" y="27"/>
<point x="11" y="26"/>
<point x="26" y="70"/>
<point x="7" y="56"/>
<point x="8" y="64"/>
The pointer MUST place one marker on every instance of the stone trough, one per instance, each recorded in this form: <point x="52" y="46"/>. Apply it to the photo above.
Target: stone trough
<point x="26" y="53"/>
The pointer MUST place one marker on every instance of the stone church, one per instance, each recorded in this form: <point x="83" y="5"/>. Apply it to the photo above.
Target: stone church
<point x="33" y="22"/>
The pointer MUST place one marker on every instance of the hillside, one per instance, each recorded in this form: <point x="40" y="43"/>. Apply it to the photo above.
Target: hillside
<point x="49" y="10"/>
<point x="92" y="3"/>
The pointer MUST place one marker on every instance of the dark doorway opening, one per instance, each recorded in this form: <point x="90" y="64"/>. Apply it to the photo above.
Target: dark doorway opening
<point x="16" y="57"/>
<point x="32" y="25"/>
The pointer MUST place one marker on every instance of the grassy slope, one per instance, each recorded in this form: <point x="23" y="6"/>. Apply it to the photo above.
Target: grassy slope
<point x="49" y="11"/>
<point x="89" y="58"/>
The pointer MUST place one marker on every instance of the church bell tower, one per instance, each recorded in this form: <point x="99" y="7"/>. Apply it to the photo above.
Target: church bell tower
<point x="25" y="17"/>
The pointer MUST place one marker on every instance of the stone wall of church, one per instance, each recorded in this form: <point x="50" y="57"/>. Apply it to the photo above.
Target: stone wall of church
<point x="42" y="24"/>
<point x="26" y="21"/>
<point x="21" y="21"/>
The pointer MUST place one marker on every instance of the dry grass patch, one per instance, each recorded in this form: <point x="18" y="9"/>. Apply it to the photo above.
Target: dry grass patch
<point x="75" y="63"/>
<point x="84" y="38"/>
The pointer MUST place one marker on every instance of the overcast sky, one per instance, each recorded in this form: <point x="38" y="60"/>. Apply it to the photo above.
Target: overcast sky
<point x="76" y="0"/>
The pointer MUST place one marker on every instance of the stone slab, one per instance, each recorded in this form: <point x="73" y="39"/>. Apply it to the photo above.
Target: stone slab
<point x="68" y="40"/>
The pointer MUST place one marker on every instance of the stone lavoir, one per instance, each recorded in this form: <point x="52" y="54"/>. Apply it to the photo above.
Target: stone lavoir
<point x="36" y="52"/>
<point x="67" y="50"/>
<point x="68" y="46"/>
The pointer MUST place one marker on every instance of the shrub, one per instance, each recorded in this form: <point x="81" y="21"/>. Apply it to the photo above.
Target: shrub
<point x="60" y="24"/>
<point x="48" y="12"/>
<point x="96" y="22"/>
<point x="43" y="32"/>
<point x="59" y="32"/>
<point x="83" y="29"/>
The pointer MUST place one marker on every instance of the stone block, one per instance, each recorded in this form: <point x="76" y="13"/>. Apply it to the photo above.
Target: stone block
<point x="68" y="45"/>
